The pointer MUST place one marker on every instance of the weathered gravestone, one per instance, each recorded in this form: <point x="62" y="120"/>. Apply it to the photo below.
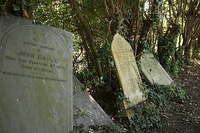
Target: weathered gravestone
<point x="153" y="71"/>
<point x="128" y="72"/>
<point x="36" y="90"/>
<point x="87" y="111"/>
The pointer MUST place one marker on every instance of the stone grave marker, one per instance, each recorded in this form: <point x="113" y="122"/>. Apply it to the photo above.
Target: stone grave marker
<point x="153" y="72"/>
<point x="128" y="72"/>
<point x="36" y="87"/>
<point x="87" y="111"/>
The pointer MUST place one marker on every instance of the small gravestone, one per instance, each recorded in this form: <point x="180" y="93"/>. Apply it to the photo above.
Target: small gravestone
<point x="127" y="70"/>
<point x="87" y="111"/>
<point x="35" y="78"/>
<point x="153" y="71"/>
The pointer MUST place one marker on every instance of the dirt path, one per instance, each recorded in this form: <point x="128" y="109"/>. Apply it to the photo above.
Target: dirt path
<point x="185" y="117"/>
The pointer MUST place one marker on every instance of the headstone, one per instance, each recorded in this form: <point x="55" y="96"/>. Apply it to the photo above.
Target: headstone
<point x="36" y="87"/>
<point x="87" y="111"/>
<point x="153" y="71"/>
<point x="127" y="70"/>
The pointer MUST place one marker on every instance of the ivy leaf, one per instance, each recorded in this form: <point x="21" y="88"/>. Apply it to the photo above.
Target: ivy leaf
<point x="25" y="3"/>
<point x="112" y="63"/>
<point x="16" y="7"/>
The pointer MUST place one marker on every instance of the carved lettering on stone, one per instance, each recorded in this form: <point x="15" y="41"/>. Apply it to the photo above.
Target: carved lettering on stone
<point x="153" y="72"/>
<point x="127" y="70"/>
<point x="35" y="79"/>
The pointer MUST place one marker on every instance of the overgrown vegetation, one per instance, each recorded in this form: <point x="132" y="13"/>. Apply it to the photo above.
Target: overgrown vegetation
<point x="147" y="115"/>
<point x="170" y="29"/>
<point x="101" y="129"/>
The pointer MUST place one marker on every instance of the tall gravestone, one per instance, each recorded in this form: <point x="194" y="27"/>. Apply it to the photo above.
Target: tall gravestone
<point x="128" y="72"/>
<point x="87" y="111"/>
<point x="35" y="78"/>
<point x="153" y="72"/>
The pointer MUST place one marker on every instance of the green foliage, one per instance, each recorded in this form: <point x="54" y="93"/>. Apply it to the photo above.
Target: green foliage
<point x="77" y="129"/>
<point x="113" y="128"/>
<point x="175" y="68"/>
<point x="129" y="22"/>
<point x="160" y="95"/>
<point x="156" y="19"/>
<point x="177" y="93"/>
<point x="80" y="113"/>
<point x="85" y="77"/>
<point x="16" y="7"/>
<point x="147" y="116"/>
<point x="166" y="51"/>
<point x="50" y="13"/>
<point x="145" y="119"/>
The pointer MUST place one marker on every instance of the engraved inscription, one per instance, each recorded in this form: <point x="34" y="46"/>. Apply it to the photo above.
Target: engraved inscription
<point x="125" y="64"/>
<point x="10" y="58"/>
<point x="36" y="58"/>
<point x="127" y="70"/>
<point x="35" y="79"/>
<point x="153" y="70"/>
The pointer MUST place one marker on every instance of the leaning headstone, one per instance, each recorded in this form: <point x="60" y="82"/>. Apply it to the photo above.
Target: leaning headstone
<point x="153" y="72"/>
<point x="36" y="91"/>
<point x="87" y="111"/>
<point x="128" y="72"/>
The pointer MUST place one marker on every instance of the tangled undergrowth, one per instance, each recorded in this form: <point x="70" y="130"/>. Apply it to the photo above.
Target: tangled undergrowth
<point x="147" y="114"/>
<point x="167" y="108"/>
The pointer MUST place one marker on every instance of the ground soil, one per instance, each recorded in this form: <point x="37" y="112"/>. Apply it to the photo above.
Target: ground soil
<point x="185" y="117"/>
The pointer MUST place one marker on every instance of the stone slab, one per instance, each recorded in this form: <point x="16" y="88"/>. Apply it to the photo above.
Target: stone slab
<point x="87" y="111"/>
<point x="153" y="72"/>
<point x="127" y="70"/>
<point x="36" y="91"/>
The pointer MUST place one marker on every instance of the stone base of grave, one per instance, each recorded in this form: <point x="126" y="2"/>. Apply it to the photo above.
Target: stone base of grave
<point x="87" y="111"/>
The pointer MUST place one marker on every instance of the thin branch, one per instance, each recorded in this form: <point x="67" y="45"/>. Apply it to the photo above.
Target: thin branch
<point x="107" y="8"/>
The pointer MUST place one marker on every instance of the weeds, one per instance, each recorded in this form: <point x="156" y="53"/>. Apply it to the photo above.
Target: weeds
<point x="147" y="115"/>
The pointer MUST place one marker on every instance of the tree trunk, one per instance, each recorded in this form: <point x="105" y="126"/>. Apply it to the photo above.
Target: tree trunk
<point x="196" y="48"/>
<point x="89" y="37"/>
<point x="145" y="30"/>
<point x="187" y="53"/>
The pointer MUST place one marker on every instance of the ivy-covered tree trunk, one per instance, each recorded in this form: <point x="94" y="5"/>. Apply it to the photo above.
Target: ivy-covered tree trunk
<point x="145" y="29"/>
<point x="167" y="47"/>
